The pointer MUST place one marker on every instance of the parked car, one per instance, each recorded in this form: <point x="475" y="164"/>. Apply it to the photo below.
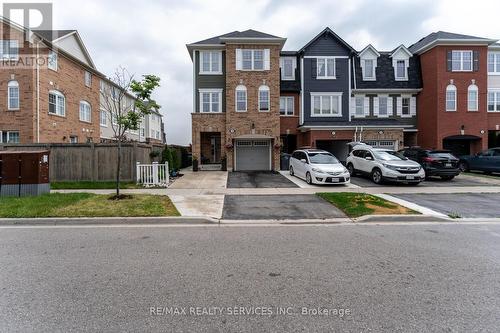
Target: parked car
<point x="436" y="163"/>
<point x="318" y="167"/>
<point x="384" y="165"/>
<point x="487" y="161"/>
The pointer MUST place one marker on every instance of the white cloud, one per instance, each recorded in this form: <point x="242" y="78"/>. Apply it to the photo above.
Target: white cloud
<point x="150" y="36"/>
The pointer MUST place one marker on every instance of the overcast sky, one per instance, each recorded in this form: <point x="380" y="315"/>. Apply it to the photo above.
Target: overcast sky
<point x="149" y="36"/>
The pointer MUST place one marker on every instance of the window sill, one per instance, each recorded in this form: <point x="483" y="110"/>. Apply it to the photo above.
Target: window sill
<point x="462" y="71"/>
<point x="240" y="111"/>
<point x="494" y="111"/>
<point x="52" y="69"/>
<point x="209" y="112"/>
<point x="57" y="115"/>
<point x="18" y="109"/>
<point x="369" y="79"/>
<point x="103" y="125"/>
<point x="494" y="73"/>
<point x="326" y="115"/>
<point x="288" y="78"/>
<point x="264" y="110"/>
<point x="326" y="78"/>
<point x="450" y="110"/>
<point x="210" y="73"/>
<point x="288" y="115"/>
<point x="85" y="121"/>
<point x="401" y="79"/>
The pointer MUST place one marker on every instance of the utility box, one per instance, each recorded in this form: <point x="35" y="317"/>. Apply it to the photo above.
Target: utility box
<point x="24" y="173"/>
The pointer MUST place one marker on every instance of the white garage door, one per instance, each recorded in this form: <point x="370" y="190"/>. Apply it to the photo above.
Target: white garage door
<point x="253" y="155"/>
<point x="386" y="144"/>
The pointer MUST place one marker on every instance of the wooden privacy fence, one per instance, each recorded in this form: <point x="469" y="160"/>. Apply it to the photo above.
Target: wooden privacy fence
<point x="91" y="161"/>
<point x="152" y="174"/>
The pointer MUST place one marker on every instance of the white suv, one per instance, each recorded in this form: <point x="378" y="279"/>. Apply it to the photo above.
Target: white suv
<point x="318" y="167"/>
<point x="384" y="165"/>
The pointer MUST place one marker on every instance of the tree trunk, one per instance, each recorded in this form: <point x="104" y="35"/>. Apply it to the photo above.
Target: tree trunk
<point x="118" y="168"/>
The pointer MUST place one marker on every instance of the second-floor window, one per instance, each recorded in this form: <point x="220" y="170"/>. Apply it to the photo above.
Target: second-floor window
<point x="57" y="103"/>
<point x="461" y="61"/>
<point x="405" y="106"/>
<point x="494" y="63"/>
<point x="85" y="111"/>
<point x="210" y="100"/>
<point x="9" y="49"/>
<point x="211" y="62"/>
<point x="88" y="79"/>
<point x="241" y="98"/>
<point x="360" y="106"/>
<point x="252" y="60"/>
<point x="325" y="68"/>
<point x="288" y="65"/>
<point x="383" y="106"/>
<point x="286" y="105"/>
<point x="103" y="118"/>
<point x="264" y="98"/>
<point x="493" y="101"/>
<point x="13" y="95"/>
<point x="451" y="98"/>
<point x="326" y="105"/>
<point x="52" y="60"/>
<point x="472" y="98"/>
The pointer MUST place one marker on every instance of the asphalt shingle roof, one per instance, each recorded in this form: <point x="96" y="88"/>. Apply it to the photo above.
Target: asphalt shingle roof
<point x="236" y="34"/>
<point x="440" y="35"/>
<point x="52" y="35"/>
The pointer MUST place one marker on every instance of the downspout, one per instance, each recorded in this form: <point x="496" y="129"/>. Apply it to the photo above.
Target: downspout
<point x="37" y="93"/>
<point x="361" y="134"/>
<point x="355" y="134"/>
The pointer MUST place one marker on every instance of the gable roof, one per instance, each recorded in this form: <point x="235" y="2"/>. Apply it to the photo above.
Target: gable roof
<point x="252" y="34"/>
<point x="52" y="35"/>
<point x="443" y="37"/>
<point x="401" y="47"/>
<point x="327" y="30"/>
<point x="369" y="47"/>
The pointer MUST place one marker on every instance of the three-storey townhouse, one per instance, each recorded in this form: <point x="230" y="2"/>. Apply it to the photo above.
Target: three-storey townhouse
<point x="236" y="99"/>
<point x="493" y="98"/>
<point x="452" y="107"/>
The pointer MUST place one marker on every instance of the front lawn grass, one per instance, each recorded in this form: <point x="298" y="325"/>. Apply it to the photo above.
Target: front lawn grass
<point x="359" y="204"/>
<point x="86" y="205"/>
<point x="89" y="185"/>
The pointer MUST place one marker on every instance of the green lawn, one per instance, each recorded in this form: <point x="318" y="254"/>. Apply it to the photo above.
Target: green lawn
<point x="359" y="204"/>
<point x="86" y="205"/>
<point x="88" y="185"/>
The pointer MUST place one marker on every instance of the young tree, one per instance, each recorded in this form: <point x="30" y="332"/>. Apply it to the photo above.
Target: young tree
<point x="126" y="101"/>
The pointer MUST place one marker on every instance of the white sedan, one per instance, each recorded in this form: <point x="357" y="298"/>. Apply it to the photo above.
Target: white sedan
<point x="318" y="167"/>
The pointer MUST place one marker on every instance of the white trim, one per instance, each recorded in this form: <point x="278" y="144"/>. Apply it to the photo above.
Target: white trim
<point x="84" y="103"/>
<point x="13" y="84"/>
<point x="404" y="49"/>
<point x="263" y="88"/>
<point x="496" y="63"/>
<point x="282" y="67"/>
<point x="301" y="111"/>
<point x="328" y="57"/>
<point x="240" y="88"/>
<point x="448" y="41"/>
<point x="450" y="87"/>
<point x="373" y="72"/>
<point x="287" y="99"/>
<point x="409" y="115"/>
<point x="266" y="59"/>
<point x="496" y="100"/>
<point x="326" y="76"/>
<point x="55" y="65"/>
<point x="462" y="52"/>
<point x="472" y="88"/>
<point x="210" y="91"/>
<point x="331" y="95"/>
<point x="57" y="93"/>
<point x="350" y="89"/>
<point x="105" y="118"/>
<point x="194" y="80"/>
<point x="392" y="91"/>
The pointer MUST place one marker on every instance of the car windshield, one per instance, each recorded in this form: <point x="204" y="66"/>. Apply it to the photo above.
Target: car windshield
<point x="442" y="155"/>
<point x="389" y="155"/>
<point x="322" y="158"/>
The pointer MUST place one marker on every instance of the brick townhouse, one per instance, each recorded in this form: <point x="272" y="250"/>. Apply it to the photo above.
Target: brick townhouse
<point x="441" y="92"/>
<point x="50" y="90"/>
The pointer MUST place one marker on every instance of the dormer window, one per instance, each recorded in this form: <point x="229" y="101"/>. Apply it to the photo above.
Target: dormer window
<point x="400" y="70"/>
<point x="368" y="69"/>
<point x="400" y="62"/>
<point x="368" y="61"/>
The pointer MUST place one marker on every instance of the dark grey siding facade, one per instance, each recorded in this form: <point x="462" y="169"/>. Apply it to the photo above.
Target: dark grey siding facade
<point x="203" y="81"/>
<point x="328" y="46"/>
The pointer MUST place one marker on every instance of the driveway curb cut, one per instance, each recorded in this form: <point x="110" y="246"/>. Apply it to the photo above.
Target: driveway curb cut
<point x="402" y="218"/>
<point x="285" y="221"/>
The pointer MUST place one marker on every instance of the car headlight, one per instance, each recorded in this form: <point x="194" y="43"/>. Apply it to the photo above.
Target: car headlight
<point x="317" y="170"/>
<point x="388" y="166"/>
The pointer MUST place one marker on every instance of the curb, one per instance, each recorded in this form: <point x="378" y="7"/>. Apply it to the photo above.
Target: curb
<point x="402" y="218"/>
<point x="299" y="221"/>
<point x="108" y="220"/>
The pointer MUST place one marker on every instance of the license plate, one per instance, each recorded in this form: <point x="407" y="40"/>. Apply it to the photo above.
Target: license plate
<point x="410" y="177"/>
<point x="334" y="180"/>
<point x="448" y="165"/>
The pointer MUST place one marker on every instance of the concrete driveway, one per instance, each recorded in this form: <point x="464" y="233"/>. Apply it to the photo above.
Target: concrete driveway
<point x="258" y="179"/>
<point x="466" y="205"/>
<point x="278" y="207"/>
<point x="201" y="180"/>
<point x="461" y="180"/>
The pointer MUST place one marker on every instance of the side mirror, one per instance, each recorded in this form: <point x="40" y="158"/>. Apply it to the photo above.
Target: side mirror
<point x="303" y="160"/>
<point x="369" y="158"/>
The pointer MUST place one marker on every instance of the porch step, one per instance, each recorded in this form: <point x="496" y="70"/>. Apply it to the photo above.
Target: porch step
<point x="210" y="167"/>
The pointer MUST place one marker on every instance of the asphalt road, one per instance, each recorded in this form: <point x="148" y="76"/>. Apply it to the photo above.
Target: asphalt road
<point x="386" y="278"/>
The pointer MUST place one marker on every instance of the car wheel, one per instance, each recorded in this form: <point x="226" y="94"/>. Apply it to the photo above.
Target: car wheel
<point x="308" y="178"/>
<point x="291" y="171"/>
<point x="463" y="166"/>
<point x="377" y="176"/>
<point x="351" y="169"/>
<point x="447" y="177"/>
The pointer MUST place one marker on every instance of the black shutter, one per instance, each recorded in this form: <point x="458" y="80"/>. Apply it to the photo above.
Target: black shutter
<point x="448" y="61"/>
<point x="314" y="70"/>
<point x="476" y="61"/>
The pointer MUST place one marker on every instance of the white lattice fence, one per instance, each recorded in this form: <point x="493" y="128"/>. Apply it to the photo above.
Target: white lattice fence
<point x="152" y="174"/>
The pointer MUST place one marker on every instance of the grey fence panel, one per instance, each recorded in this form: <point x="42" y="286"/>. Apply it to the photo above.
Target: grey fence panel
<point x="91" y="162"/>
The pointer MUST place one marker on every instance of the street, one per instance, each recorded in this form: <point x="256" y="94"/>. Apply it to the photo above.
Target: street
<point x="394" y="278"/>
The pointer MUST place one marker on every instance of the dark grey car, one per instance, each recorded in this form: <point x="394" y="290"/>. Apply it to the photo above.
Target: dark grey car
<point x="487" y="161"/>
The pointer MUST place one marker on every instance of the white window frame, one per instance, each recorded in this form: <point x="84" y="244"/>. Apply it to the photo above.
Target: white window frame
<point x="496" y="100"/>
<point x="85" y="108"/>
<point x="326" y="60"/>
<point x="356" y="99"/>
<point x="8" y="136"/>
<point x="60" y="98"/>
<point x="9" y="45"/>
<point x="52" y="60"/>
<point x="472" y="88"/>
<point x="330" y="95"/>
<point x="240" y="89"/>
<point x="212" y="54"/>
<point x="212" y="92"/>
<point x="283" y="65"/>
<point x="103" y="121"/>
<point x="387" y="113"/>
<point x="405" y="63"/>
<point x="451" y="88"/>
<point x="88" y="79"/>
<point x="406" y="115"/>
<point x="496" y="62"/>
<point x="264" y="88"/>
<point x="13" y="85"/>
<point x="265" y="59"/>
<point x="372" y="77"/>
<point x="289" y="104"/>
<point x="461" y="61"/>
